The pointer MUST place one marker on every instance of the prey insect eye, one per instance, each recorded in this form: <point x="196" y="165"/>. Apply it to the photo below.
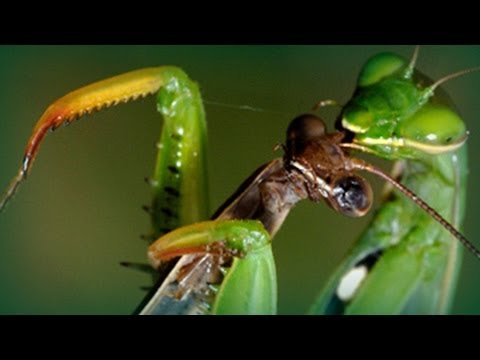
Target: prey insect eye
<point x="351" y="195"/>
<point x="305" y="127"/>
<point x="301" y="130"/>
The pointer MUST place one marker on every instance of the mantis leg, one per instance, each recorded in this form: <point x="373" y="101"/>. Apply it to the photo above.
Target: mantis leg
<point x="179" y="173"/>
<point x="248" y="283"/>
<point x="180" y="192"/>
<point x="179" y="182"/>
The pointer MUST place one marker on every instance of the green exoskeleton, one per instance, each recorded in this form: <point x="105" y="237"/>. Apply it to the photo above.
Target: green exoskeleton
<point x="225" y="265"/>
<point x="404" y="262"/>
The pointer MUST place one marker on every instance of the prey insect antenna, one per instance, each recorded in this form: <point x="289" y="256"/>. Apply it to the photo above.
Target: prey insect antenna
<point x="362" y="165"/>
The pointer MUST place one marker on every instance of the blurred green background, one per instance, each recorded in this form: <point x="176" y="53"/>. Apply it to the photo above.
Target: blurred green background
<point x="79" y="213"/>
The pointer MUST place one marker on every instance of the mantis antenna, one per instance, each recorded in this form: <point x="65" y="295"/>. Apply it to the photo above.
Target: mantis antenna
<point x="413" y="62"/>
<point x="430" y="90"/>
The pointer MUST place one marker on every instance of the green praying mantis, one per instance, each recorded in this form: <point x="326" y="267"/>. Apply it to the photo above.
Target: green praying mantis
<point x="174" y="100"/>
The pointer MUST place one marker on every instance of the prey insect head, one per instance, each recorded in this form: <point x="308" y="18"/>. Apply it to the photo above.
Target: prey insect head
<point x="323" y="164"/>
<point x="302" y="130"/>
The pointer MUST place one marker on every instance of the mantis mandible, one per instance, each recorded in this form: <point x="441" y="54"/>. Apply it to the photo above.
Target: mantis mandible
<point x="253" y="165"/>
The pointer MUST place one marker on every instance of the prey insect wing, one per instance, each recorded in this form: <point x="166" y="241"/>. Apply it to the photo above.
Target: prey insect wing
<point x="189" y="288"/>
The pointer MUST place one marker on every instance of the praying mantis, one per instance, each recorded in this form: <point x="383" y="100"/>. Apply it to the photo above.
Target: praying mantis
<point x="279" y="137"/>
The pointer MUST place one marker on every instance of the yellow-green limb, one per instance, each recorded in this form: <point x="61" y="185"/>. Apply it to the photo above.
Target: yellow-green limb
<point x="93" y="97"/>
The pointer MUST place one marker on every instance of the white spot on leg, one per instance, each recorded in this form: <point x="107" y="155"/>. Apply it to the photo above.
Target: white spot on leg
<point x="350" y="283"/>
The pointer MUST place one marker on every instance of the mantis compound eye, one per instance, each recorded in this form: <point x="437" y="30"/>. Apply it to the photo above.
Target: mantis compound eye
<point x="351" y="195"/>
